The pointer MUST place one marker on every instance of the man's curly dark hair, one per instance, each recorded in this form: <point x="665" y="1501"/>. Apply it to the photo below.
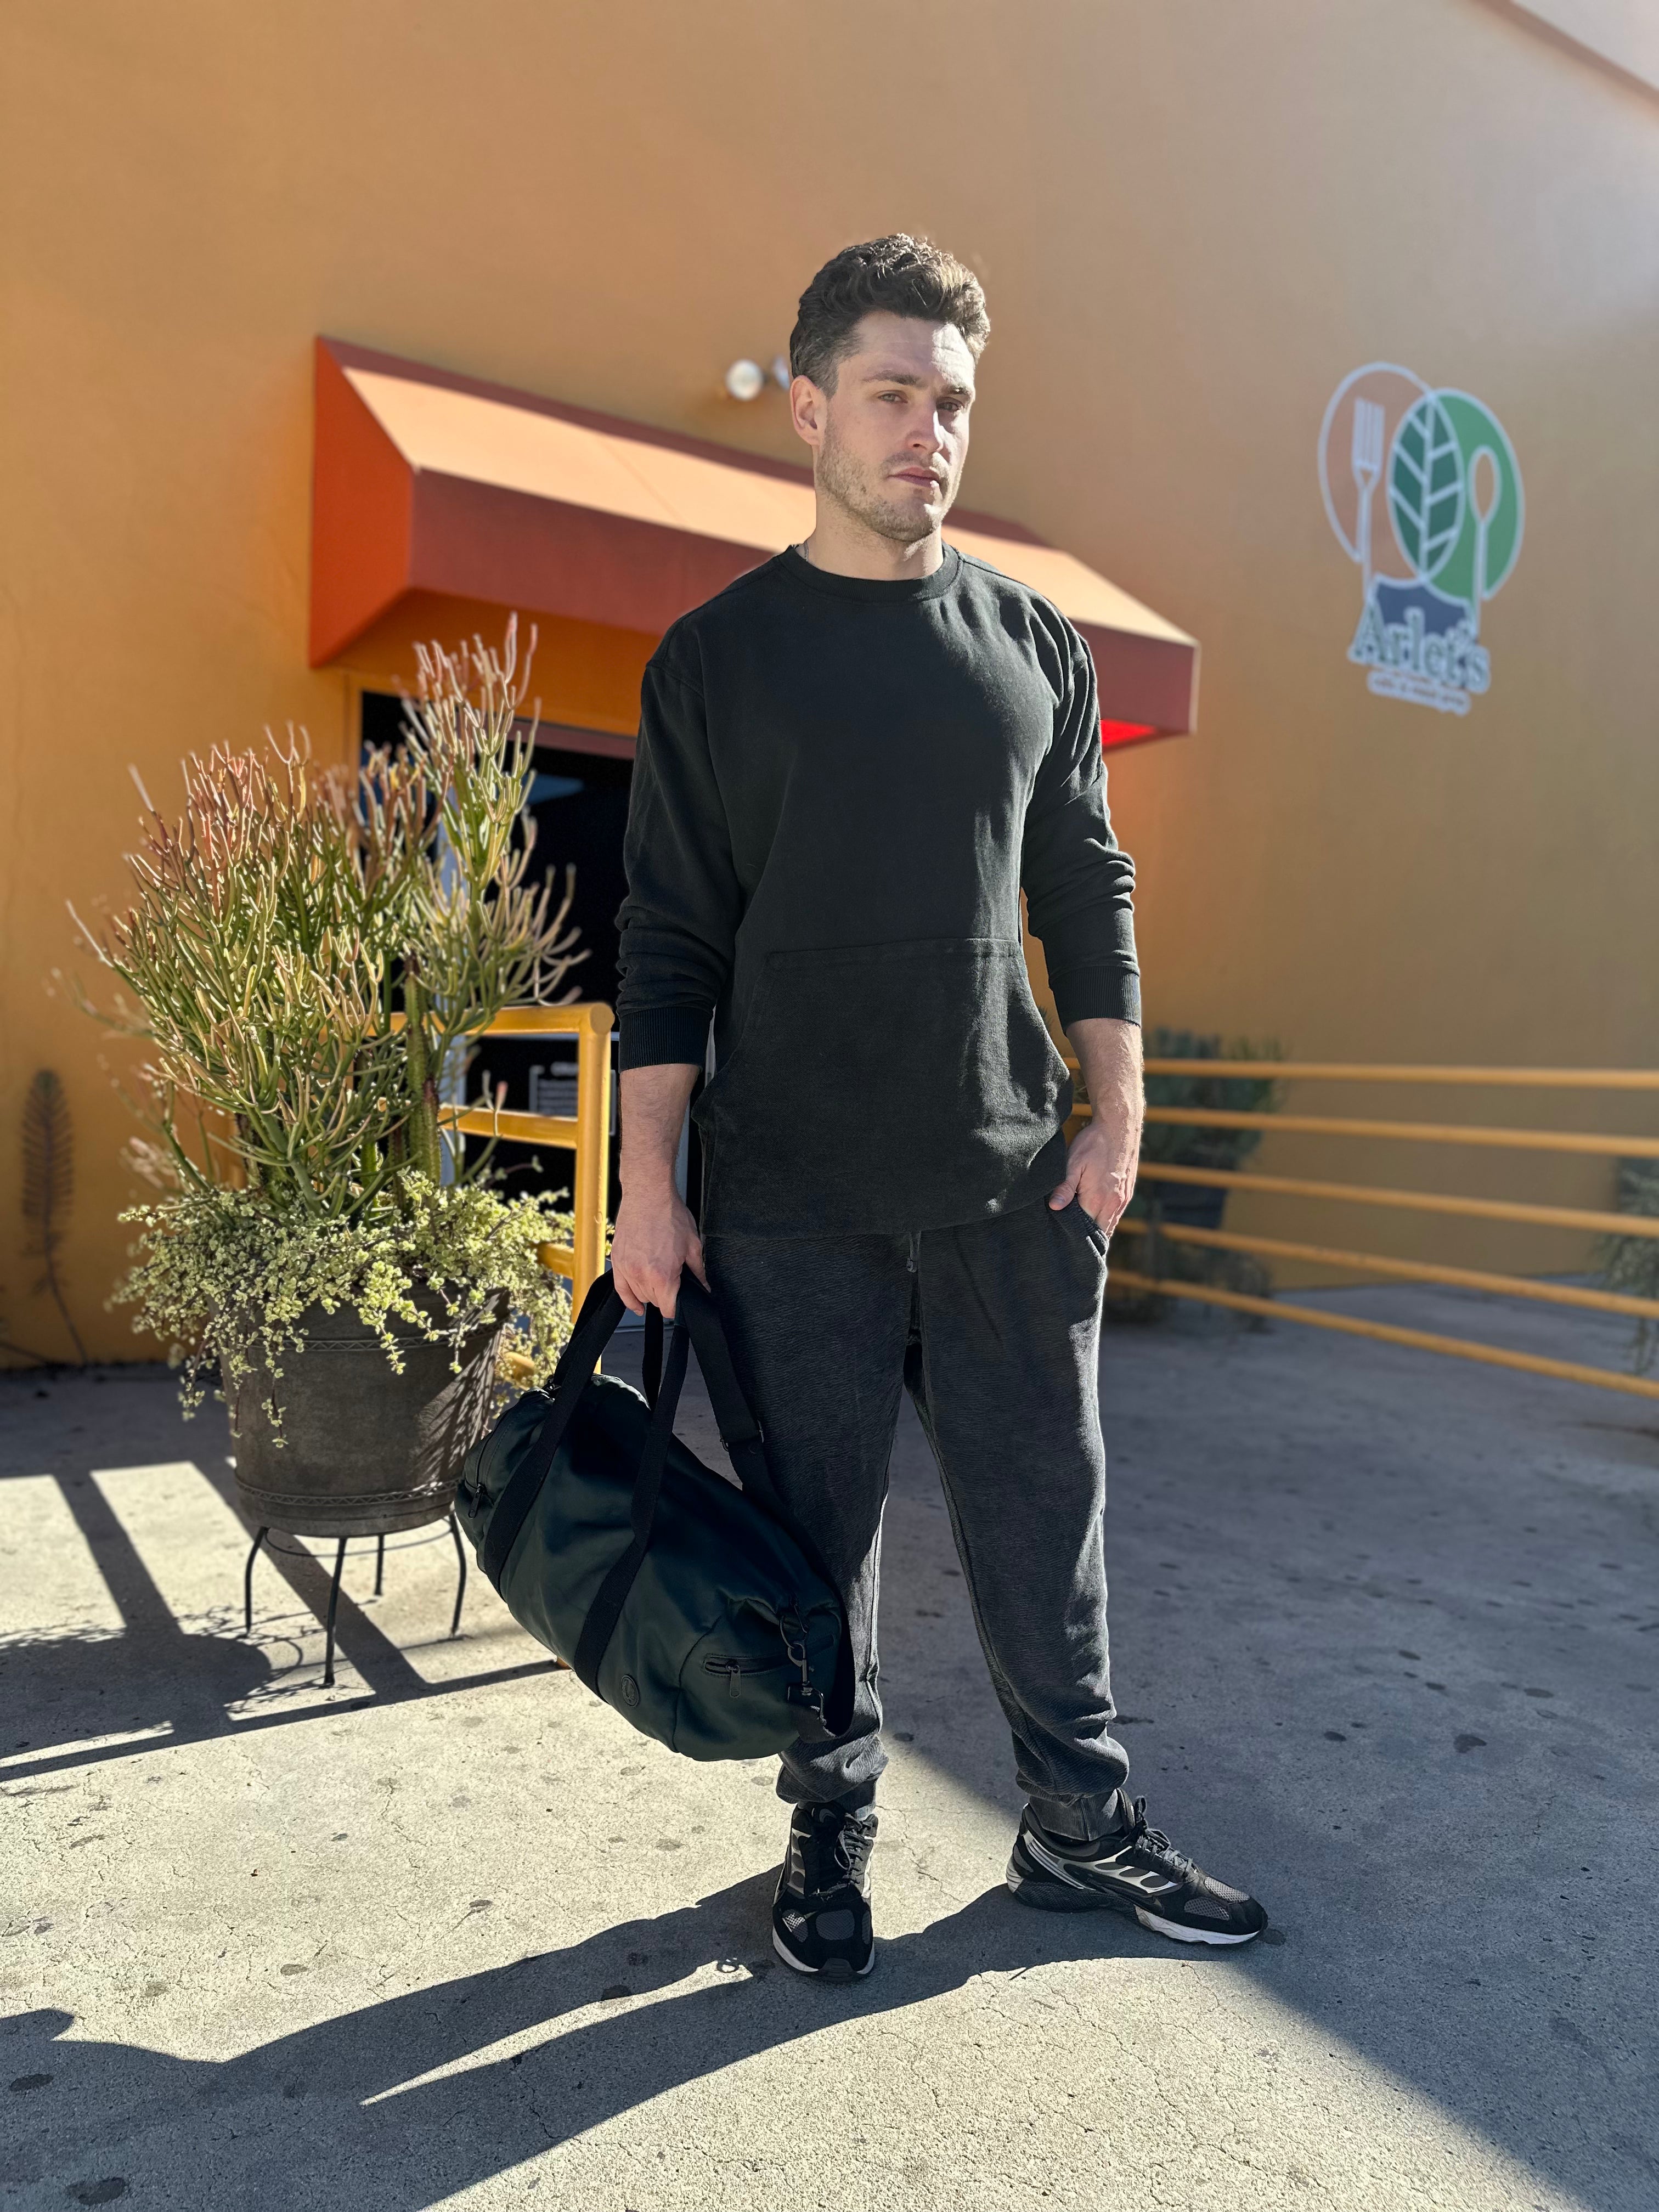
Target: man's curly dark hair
<point x="901" y="275"/>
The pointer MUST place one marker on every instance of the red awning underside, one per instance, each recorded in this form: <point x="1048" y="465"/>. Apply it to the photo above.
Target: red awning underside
<point x="427" y="483"/>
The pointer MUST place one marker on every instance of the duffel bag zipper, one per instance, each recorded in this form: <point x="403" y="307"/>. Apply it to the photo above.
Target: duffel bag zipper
<point x="734" y="1670"/>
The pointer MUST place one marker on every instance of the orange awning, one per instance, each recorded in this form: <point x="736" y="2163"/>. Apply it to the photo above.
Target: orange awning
<point x="430" y="486"/>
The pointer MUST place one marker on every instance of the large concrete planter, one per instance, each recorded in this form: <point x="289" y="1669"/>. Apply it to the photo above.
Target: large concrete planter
<point x="365" y="1451"/>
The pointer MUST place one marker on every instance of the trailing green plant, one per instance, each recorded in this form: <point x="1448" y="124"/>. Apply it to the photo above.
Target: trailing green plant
<point x="307" y="954"/>
<point x="224" y="1280"/>
<point x="1630" y="1265"/>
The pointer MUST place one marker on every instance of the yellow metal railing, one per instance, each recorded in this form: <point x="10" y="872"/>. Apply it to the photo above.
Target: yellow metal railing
<point x="587" y="1133"/>
<point x="1486" y="1209"/>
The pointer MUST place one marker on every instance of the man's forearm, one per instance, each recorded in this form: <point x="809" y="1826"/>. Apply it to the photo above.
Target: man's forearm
<point x="1109" y="1053"/>
<point x="655" y="1237"/>
<point x="653" y="1103"/>
<point x="1100" y="1167"/>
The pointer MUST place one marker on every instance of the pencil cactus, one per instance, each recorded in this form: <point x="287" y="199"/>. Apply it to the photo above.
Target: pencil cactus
<point x="306" y="953"/>
<point x="308" y="948"/>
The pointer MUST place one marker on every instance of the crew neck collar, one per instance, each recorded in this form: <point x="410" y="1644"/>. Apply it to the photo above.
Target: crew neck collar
<point x="793" y="564"/>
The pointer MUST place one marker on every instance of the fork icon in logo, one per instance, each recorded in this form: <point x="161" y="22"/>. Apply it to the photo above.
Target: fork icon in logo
<point x="1366" y="460"/>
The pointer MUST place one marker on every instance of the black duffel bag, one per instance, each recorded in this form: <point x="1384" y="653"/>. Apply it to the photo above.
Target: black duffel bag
<point x="695" y="1608"/>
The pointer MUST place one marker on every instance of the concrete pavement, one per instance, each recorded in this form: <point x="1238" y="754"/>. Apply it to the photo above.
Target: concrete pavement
<point x="1387" y="1639"/>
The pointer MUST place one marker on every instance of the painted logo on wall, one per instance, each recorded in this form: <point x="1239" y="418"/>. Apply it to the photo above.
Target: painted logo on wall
<point x="1423" y="491"/>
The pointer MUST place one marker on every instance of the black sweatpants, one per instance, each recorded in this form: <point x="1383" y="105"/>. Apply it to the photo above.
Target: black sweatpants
<point x="994" y="1329"/>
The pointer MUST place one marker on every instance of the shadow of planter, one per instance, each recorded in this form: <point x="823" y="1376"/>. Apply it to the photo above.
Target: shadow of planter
<point x="366" y="1452"/>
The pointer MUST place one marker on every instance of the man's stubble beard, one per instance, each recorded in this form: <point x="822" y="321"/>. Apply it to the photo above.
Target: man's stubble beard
<point x="846" y="484"/>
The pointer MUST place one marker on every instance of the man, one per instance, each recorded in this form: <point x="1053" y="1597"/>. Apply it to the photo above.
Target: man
<point x="850" y="763"/>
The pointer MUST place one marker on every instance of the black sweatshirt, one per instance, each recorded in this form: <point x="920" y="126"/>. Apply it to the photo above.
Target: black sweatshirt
<point x="840" y="788"/>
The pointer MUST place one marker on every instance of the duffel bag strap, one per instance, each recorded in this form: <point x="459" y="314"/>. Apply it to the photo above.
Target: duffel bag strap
<point x="606" y="1608"/>
<point x="651" y="1357"/>
<point x="596" y="1324"/>
<point x="740" y="1433"/>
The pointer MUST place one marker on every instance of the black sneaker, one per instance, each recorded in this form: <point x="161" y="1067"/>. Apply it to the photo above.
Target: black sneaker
<point x="821" y="1914"/>
<point x="1134" y="1870"/>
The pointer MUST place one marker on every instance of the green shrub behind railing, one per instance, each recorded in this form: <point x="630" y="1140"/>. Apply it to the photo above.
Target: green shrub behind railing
<point x="1168" y="1146"/>
<point x="1630" y="1265"/>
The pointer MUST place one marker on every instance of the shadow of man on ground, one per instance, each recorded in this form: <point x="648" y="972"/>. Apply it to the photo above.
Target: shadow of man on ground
<point x="356" y="2096"/>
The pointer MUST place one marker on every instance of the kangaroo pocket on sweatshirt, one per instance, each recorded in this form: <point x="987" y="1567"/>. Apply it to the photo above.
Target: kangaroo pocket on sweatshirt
<point x="883" y="1088"/>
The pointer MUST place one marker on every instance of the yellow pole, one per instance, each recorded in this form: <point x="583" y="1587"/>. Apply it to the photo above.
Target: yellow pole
<point x="1418" y="1133"/>
<point x="1421" y="1133"/>
<point x="1323" y="1071"/>
<point x="592" y="1149"/>
<point x="1423" y="1201"/>
<point x="588" y="1135"/>
<point x="1409" y="1271"/>
<point x="520" y="1128"/>
<point x="1418" y="1339"/>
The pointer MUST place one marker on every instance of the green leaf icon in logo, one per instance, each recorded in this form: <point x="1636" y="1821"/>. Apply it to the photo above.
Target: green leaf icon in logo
<point x="1426" y="480"/>
<point x="1490" y="538"/>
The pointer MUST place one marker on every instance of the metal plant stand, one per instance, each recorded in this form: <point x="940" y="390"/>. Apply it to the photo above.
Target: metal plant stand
<point x="294" y="1552"/>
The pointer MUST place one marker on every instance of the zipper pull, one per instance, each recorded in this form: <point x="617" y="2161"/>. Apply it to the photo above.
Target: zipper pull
<point x="793" y="1629"/>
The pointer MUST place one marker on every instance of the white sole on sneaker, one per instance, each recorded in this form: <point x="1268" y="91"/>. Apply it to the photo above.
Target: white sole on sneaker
<point x="1076" y="1899"/>
<point x="1151" y="1920"/>
<point x="816" y="1973"/>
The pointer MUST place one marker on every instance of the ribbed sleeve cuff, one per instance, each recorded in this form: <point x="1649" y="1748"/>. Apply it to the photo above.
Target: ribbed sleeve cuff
<point x="665" y="1036"/>
<point x="1086" y="995"/>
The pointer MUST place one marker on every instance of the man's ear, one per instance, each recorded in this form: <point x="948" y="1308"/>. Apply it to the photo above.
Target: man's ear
<point x="809" y="410"/>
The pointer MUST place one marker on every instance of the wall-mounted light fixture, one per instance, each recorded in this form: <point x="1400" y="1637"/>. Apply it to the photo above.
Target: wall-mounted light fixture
<point x="746" y="379"/>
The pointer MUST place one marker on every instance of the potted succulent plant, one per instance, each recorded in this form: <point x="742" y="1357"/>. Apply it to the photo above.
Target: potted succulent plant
<point x="305" y="954"/>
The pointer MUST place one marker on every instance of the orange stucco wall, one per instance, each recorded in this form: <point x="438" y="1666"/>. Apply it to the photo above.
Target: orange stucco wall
<point x="1193" y="220"/>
